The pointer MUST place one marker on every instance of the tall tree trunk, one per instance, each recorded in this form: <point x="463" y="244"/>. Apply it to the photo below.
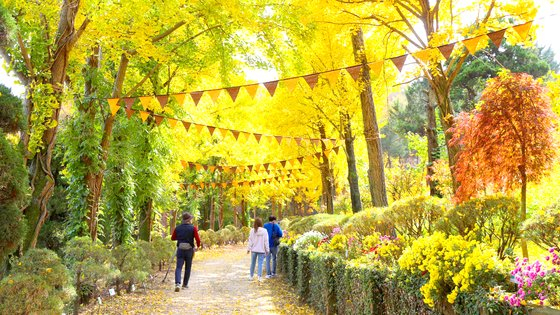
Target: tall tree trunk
<point x="326" y="174"/>
<point x="243" y="209"/>
<point x="376" y="172"/>
<point x="146" y="220"/>
<point x="42" y="181"/>
<point x="523" y="215"/>
<point x="279" y="211"/>
<point x="351" y="161"/>
<point x="272" y="206"/>
<point x="433" y="148"/>
<point x="221" y="205"/>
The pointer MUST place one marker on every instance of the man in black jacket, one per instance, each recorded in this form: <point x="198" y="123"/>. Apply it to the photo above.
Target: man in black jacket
<point x="185" y="234"/>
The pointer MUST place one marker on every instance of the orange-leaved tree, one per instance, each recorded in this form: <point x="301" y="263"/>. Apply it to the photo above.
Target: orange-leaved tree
<point x="507" y="141"/>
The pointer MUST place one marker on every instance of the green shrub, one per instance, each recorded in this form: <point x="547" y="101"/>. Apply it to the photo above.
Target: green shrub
<point x="309" y="240"/>
<point x="245" y="230"/>
<point x="305" y="224"/>
<point x="303" y="273"/>
<point x="90" y="264"/>
<point x="225" y="236"/>
<point x="284" y="224"/>
<point x="401" y="294"/>
<point x="359" y="290"/>
<point x="132" y="263"/>
<point x="367" y="222"/>
<point x="11" y="114"/>
<point x="415" y="217"/>
<point x="230" y="227"/>
<point x="543" y="228"/>
<point x="38" y="284"/>
<point x="327" y="224"/>
<point x="238" y="236"/>
<point x="212" y="238"/>
<point x="323" y="282"/>
<point x="158" y="251"/>
<point x="492" y="220"/>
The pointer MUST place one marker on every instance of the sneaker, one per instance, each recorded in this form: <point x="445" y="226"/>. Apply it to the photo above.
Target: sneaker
<point x="268" y="276"/>
<point x="177" y="288"/>
<point x="250" y="278"/>
<point x="185" y="287"/>
<point x="273" y="275"/>
<point x="260" y="279"/>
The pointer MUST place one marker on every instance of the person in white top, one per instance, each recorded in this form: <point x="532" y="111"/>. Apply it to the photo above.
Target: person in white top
<point x="258" y="247"/>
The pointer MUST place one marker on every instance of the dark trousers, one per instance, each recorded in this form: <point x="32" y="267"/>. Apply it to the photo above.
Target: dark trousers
<point x="186" y="257"/>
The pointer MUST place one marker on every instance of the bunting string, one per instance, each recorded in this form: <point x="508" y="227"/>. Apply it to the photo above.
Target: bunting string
<point x="423" y="56"/>
<point x="243" y="183"/>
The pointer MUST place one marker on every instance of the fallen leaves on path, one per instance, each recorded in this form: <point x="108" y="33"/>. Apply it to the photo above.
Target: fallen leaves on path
<point x="219" y="285"/>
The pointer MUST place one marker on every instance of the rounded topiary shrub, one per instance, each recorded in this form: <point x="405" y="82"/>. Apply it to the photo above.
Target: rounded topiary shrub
<point x="367" y="222"/>
<point x="38" y="284"/>
<point x="416" y="216"/>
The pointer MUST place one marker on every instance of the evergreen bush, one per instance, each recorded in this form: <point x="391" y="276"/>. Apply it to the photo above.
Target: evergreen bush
<point x="416" y="216"/>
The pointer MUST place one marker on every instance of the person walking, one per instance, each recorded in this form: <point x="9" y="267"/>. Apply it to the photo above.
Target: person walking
<point x="274" y="235"/>
<point x="185" y="234"/>
<point x="258" y="247"/>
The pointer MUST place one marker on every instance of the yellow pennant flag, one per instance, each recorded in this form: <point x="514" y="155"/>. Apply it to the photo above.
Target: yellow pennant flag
<point x="113" y="105"/>
<point x="145" y="101"/>
<point x="252" y="89"/>
<point x="331" y="76"/>
<point x="180" y="98"/>
<point x="214" y="94"/>
<point x="472" y="44"/>
<point x="184" y="163"/>
<point x="223" y="132"/>
<point x="376" y="68"/>
<point x="523" y="30"/>
<point x="424" y="55"/>
<point x="144" y="115"/>
<point x="199" y="127"/>
<point x="291" y="84"/>
<point x="172" y="122"/>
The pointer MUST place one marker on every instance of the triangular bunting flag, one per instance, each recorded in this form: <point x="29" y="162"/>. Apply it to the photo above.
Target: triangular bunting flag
<point x="196" y="97"/>
<point x="144" y="115"/>
<point x="300" y="160"/>
<point x="235" y="134"/>
<point x="180" y="98"/>
<point x="205" y="167"/>
<point x="318" y="155"/>
<point x="335" y="149"/>
<point x="233" y="92"/>
<point x="226" y="169"/>
<point x="266" y="165"/>
<point x="354" y="72"/>
<point x="223" y="132"/>
<point x="213" y="185"/>
<point x="423" y="55"/>
<point x="291" y="84"/>
<point x="250" y="167"/>
<point x="199" y="127"/>
<point x="184" y="163"/>
<point x="311" y="80"/>
<point x="327" y="153"/>
<point x="198" y="167"/>
<point x="162" y="99"/>
<point x="172" y="122"/>
<point x="325" y="142"/>
<point x="523" y="30"/>
<point x="283" y="163"/>
<point x="316" y="141"/>
<point x="159" y="119"/>
<point x="129" y="101"/>
<point x="497" y="37"/>
<point x="298" y="140"/>
<point x="446" y="50"/>
<point x="214" y="94"/>
<point x="113" y="105"/>
<point x="224" y="185"/>
<point x="252" y="89"/>
<point x="271" y="87"/>
<point x="211" y="168"/>
<point x="145" y="101"/>
<point x="279" y="139"/>
<point x="472" y="43"/>
<point x="129" y="112"/>
<point x="187" y="125"/>
<point x="333" y="141"/>
<point x="234" y="169"/>
<point x="399" y="61"/>
<point x="202" y="185"/>
<point x="257" y="137"/>
<point x="211" y="129"/>
<point x="332" y="76"/>
<point x="376" y="67"/>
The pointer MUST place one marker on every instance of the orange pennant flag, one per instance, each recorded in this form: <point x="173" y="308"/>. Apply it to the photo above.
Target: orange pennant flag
<point x="332" y="76"/>
<point x="199" y="127"/>
<point x="497" y="37"/>
<point x="224" y="185"/>
<point x="271" y="87"/>
<point x="202" y="185"/>
<point x="257" y="137"/>
<point x="184" y="163"/>
<point x="213" y="185"/>
<point x="214" y="94"/>
<point x="523" y="30"/>
<point x="113" y="105"/>
<point x="129" y="112"/>
<point x="472" y="43"/>
<point x="233" y="92"/>
<point x="196" y="96"/>
<point x="446" y="50"/>
<point x="291" y="84"/>
<point x="187" y="125"/>
<point x="311" y="80"/>
<point x="235" y="134"/>
<point x="211" y="168"/>
<point x="145" y="101"/>
<point x="159" y="119"/>
<point x="252" y="89"/>
<point x="223" y="132"/>
<point x="180" y="98"/>
<point x="327" y="153"/>
<point x="226" y="169"/>
<point x="376" y="68"/>
<point x="354" y="72"/>
<point x="399" y="61"/>
<point x="172" y="122"/>
<point x="423" y="55"/>
<point x="162" y="99"/>
<point x="144" y="115"/>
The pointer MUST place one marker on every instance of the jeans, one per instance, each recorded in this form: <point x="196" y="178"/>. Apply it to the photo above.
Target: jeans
<point x="254" y="257"/>
<point x="186" y="257"/>
<point x="272" y="254"/>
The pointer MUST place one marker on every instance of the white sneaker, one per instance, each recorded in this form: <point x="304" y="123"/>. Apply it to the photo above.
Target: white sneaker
<point x="177" y="287"/>
<point x="268" y="276"/>
<point x="260" y="279"/>
<point x="250" y="278"/>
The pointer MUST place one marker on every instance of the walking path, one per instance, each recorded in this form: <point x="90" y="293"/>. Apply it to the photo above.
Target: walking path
<point x="219" y="285"/>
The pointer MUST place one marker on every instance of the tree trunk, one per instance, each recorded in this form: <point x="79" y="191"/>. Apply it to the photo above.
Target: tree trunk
<point x="42" y="180"/>
<point x="523" y="216"/>
<point x="351" y="161"/>
<point x="243" y="205"/>
<point x="146" y="221"/>
<point x="326" y="174"/>
<point x="212" y="212"/>
<point x="433" y="148"/>
<point x="279" y="211"/>
<point x="376" y="172"/>
<point x="272" y="206"/>
<point x="221" y="205"/>
<point x="172" y="222"/>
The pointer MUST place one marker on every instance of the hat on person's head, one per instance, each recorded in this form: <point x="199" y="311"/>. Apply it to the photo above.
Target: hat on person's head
<point x="187" y="216"/>
<point x="271" y="218"/>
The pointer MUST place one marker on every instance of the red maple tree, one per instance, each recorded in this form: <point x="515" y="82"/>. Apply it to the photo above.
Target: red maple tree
<point x="507" y="141"/>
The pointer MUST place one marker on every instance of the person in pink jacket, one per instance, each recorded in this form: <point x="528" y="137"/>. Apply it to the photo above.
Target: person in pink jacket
<point x="258" y="247"/>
